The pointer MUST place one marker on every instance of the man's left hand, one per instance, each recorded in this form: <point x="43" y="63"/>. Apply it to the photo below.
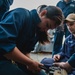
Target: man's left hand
<point x="64" y="65"/>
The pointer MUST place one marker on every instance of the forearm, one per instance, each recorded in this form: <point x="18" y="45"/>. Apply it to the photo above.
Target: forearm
<point x="71" y="61"/>
<point x="28" y="55"/>
<point x="18" y="56"/>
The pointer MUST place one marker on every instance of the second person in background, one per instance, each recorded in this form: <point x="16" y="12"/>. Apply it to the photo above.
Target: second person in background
<point x="67" y="7"/>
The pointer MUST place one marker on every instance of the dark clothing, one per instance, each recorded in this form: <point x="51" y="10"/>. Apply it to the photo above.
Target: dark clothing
<point x="57" y="44"/>
<point x="68" y="50"/>
<point x="67" y="53"/>
<point x="24" y="24"/>
<point x="17" y="29"/>
<point x="7" y="68"/>
<point x="66" y="8"/>
<point x="4" y="6"/>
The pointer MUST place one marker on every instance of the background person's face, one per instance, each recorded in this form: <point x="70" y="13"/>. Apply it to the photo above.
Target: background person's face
<point x="71" y="27"/>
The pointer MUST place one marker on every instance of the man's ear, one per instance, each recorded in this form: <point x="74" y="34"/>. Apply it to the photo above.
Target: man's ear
<point x="43" y="13"/>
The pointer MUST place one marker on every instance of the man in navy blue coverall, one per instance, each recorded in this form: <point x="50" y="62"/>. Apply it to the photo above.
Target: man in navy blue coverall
<point x="20" y="29"/>
<point x="67" y="7"/>
<point x="67" y="54"/>
<point x="4" y="6"/>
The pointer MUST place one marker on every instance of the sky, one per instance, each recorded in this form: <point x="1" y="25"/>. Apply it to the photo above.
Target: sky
<point x="31" y="4"/>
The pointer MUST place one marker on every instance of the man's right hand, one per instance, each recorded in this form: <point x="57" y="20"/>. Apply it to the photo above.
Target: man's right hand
<point x="35" y="66"/>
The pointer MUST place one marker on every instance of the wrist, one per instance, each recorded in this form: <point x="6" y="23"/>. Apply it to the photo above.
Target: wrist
<point x="67" y="66"/>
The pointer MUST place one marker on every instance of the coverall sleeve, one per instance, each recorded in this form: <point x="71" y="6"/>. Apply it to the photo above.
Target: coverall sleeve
<point x="71" y="61"/>
<point x="9" y="28"/>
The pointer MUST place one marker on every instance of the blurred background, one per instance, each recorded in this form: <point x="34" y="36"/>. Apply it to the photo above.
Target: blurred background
<point x="31" y="4"/>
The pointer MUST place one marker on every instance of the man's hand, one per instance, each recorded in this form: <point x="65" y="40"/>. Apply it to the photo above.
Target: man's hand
<point x="35" y="66"/>
<point x="56" y="57"/>
<point x="64" y="65"/>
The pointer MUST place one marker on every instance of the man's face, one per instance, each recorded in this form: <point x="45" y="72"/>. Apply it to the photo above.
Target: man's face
<point x="47" y="24"/>
<point x="71" y="27"/>
<point x="43" y="27"/>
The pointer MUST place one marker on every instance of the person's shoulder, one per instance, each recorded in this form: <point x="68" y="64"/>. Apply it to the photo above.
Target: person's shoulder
<point x="17" y="11"/>
<point x="20" y="9"/>
<point x="59" y="2"/>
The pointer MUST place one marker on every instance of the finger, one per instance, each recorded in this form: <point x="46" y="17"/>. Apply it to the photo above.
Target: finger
<point x="40" y="65"/>
<point x="56" y="64"/>
<point x="56" y="59"/>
